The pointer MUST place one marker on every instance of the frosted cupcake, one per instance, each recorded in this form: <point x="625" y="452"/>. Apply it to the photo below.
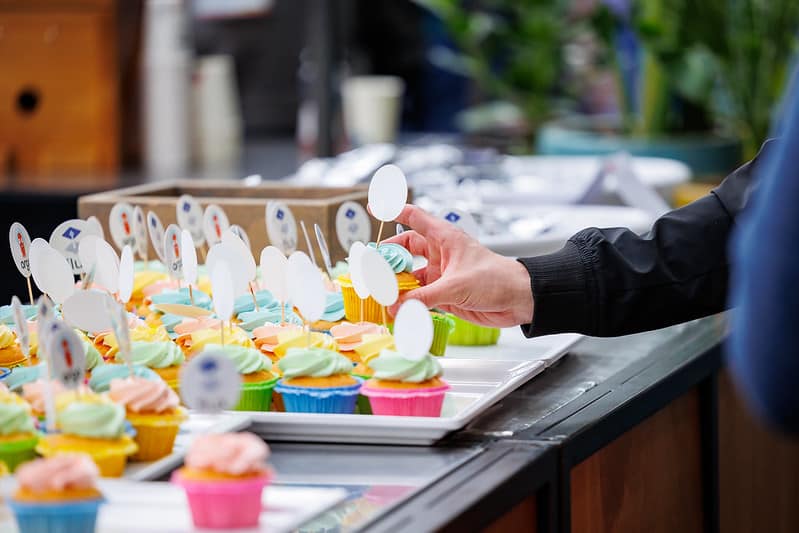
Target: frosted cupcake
<point x="34" y="393"/>
<point x="10" y="354"/>
<point x="17" y="433"/>
<point x="106" y="342"/>
<point x="405" y="387"/>
<point x="58" y="494"/>
<point x="257" y="379"/>
<point x="401" y="261"/>
<point x="370" y="347"/>
<point x="91" y="424"/>
<point x="154" y="412"/>
<point x="251" y="320"/>
<point x="224" y="476"/>
<point x="349" y="336"/>
<point x="267" y="337"/>
<point x="163" y="357"/>
<point x="316" y="380"/>
<point x="333" y="314"/>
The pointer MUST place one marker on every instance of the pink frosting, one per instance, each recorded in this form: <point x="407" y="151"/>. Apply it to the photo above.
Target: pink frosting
<point x="190" y="325"/>
<point x="33" y="393"/>
<point x="140" y="395"/>
<point x="350" y="336"/>
<point x="228" y="453"/>
<point x="268" y="334"/>
<point x="3" y="388"/>
<point x="58" y="473"/>
<point x="160" y="286"/>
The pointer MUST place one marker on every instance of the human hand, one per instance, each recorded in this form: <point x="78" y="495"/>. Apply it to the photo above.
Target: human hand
<point x="462" y="276"/>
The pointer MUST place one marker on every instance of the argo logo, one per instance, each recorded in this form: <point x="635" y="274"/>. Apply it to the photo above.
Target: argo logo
<point x="452" y="217"/>
<point x="350" y="213"/>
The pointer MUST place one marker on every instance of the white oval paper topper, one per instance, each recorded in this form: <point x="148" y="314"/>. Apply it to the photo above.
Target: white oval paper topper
<point x="352" y="224"/>
<point x="51" y="271"/>
<point x="67" y="355"/>
<point x="121" y="225"/>
<point x="87" y="253"/>
<point x="281" y="227"/>
<point x="413" y="330"/>
<point x="156" y="231"/>
<point x="210" y="382"/>
<point x="126" y="273"/>
<point x="241" y="233"/>
<point x="189" y="253"/>
<point x="462" y="219"/>
<point x="244" y="254"/>
<point x="379" y="277"/>
<point x="189" y="214"/>
<point x="20" y="243"/>
<point x="222" y="290"/>
<point x="21" y="325"/>
<point x="95" y="223"/>
<point x="86" y="310"/>
<point x="174" y="260"/>
<point x="354" y="260"/>
<point x="306" y="289"/>
<point x="215" y="222"/>
<point x="388" y="193"/>
<point x="140" y="229"/>
<point x="274" y="267"/>
<point x="66" y="239"/>
<point x="107" y="269"/>
<point x="118" y="318"/>
<point x="228" y="253"/>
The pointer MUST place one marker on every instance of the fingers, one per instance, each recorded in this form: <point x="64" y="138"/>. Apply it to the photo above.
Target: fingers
<point x="418" y="219"/>
<point x="432" y="295"/>
<point x="415" y="243"/>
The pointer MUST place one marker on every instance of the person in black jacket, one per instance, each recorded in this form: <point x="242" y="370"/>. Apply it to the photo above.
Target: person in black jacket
<point x="603" y="282"/>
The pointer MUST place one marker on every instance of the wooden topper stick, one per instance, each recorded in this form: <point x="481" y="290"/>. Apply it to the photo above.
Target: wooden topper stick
<point x="254" y="299"/>
<point x="379" y="234"/>
<point x="362" y="300"/>
<point x="191" y="295"/>
<point x="385" y="321"/>
<point x="30" y="290"/>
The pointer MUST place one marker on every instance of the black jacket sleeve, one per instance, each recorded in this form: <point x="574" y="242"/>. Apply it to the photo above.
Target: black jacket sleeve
<point x="607" y="282"/>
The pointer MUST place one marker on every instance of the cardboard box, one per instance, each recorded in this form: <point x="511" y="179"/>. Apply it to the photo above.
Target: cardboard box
<point x="244" y="205"/>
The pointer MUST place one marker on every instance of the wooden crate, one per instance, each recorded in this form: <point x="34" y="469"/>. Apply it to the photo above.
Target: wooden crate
<point x="243" y="205"/>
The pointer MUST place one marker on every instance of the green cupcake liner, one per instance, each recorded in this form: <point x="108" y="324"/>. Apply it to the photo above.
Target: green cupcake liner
<point x="15" y="453"/>
<point x="442" y="328"/>
<point x="256" y="396"/>
<point x="468" y="334"/>
<point x="362" y="405"/>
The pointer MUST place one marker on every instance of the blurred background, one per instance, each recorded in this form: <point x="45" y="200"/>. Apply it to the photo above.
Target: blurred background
<point x="537" y="117"/>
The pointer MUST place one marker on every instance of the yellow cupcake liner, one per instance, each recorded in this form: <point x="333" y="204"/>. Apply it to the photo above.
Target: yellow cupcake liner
<point x="154" y="441"/>
<point x="372" y="311"/>
<point x="110" y="455"/>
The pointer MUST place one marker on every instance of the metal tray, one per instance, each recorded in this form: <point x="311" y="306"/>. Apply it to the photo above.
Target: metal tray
<point x="477" y="383"/>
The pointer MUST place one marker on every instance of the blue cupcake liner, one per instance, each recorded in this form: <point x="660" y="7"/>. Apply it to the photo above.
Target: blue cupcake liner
<point x="337" y="400"/>
<point x="66" y="517"/>
<point x="4" y="372"/>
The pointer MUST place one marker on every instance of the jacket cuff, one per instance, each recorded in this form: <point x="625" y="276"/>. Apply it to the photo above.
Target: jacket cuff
<point x="559" y="282"/>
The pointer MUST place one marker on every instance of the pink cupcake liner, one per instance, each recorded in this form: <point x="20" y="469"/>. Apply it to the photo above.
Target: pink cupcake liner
<point x="406" y="402"/>
<point x="224" y="504"/>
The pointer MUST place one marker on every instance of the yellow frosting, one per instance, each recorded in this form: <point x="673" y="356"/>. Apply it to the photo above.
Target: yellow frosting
<point x="143" y="333"/>
<point x="372" y="345"/>
<point x="7" y="337"/>
<point x="233" y="335"/>
<point x="299" y="339"/>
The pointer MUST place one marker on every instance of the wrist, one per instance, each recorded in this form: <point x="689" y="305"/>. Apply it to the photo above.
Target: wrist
<point x="522" y="293"/>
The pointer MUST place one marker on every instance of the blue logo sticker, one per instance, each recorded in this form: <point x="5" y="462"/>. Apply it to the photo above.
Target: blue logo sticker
<point x="350" y="213"/>
<point x="280" y="214"/>
<point x="186" y="207"/>
<point x="208" y="366"/>
<point x="453" y="217"/>
<point x="71" y="233"/>
<point x="153" y="222"/>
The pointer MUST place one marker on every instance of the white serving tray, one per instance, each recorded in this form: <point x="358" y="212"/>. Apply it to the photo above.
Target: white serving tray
<point x="477" y="383"/>
<point x="162" y="507"/>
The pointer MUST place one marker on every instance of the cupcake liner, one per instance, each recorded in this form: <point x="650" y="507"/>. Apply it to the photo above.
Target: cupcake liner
<point x="363" y="406"/>
<point x="223" y="504"/>
<point x="155" y="441"/>
<point x="406" y="402"/>
<point x="15" y="453"/>
<point x="256" y="396"/>
<point x="109" y="457"/>
<point x="468" y="334"/>
<point x="61" y="517"/>
<point x="442" y="327"/>
<point x="340" y="400"/>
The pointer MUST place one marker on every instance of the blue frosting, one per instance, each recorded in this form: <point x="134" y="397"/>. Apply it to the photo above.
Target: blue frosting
<point x="7" y="314"/>
<point x="397" y="256"/>
<point x="21" y="375"/>
<point x="334" y="307"/>
<point x="103" y="375"/>
<point x="244" y="302"/>
<point x="181" y="296"/>
<point x="255" y="319"/>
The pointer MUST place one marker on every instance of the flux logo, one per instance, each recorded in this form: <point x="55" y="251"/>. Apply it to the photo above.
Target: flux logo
<point x="186" y="207"/>
<point x="452" y="217"/>
<point x="350" y="213"/>
<point x="280" y="214"/>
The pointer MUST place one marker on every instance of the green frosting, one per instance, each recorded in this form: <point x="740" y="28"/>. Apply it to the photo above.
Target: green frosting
<point x="397" y="256"/>
<point x="313" y="363"/>
<point x="339" y="269"/>
<point x="247" y="360"/>
<point x="160" y="354"/>
<point x="394" y="366"/>
<point x="93" y="357"/>
<point x="14" y="418"/>
<point x="102" y="420"/>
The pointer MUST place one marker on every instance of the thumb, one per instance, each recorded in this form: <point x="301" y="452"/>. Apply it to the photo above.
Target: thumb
<point x="430" y="295"/>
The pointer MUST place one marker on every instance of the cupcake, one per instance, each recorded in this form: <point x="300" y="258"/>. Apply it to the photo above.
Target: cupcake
<point x="370" y="347"/>
<point x="316" y="380"/>
<point x="303" y="339"/>
<point x="442" y="327"/>
<point x="224" y="476"/>
<point x="250" y="320"/>
<point x="349" y="336"/>
<point x="58" y="494"/>
<point x="467" y="334"/>
<point x="405" y="387"/>
<point x="333" y="314"/>
<point x="92" y="424"/>
<point x="163" y="357"/>
<point x="17" y="433"/>
<point x="257" y="380"/>
<point x="267" y="337"/>
<point x="401" y="261"/>
<point x="7" y="314"/>
<point x="154" y="412"/>
<point x="10" y="353"/>
<point x="106" y="342"/>
<point x="103" y="375"/>
<point x="33" y="393"/>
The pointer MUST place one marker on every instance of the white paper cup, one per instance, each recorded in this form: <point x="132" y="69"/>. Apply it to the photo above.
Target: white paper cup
<point x="372" y="107"/>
